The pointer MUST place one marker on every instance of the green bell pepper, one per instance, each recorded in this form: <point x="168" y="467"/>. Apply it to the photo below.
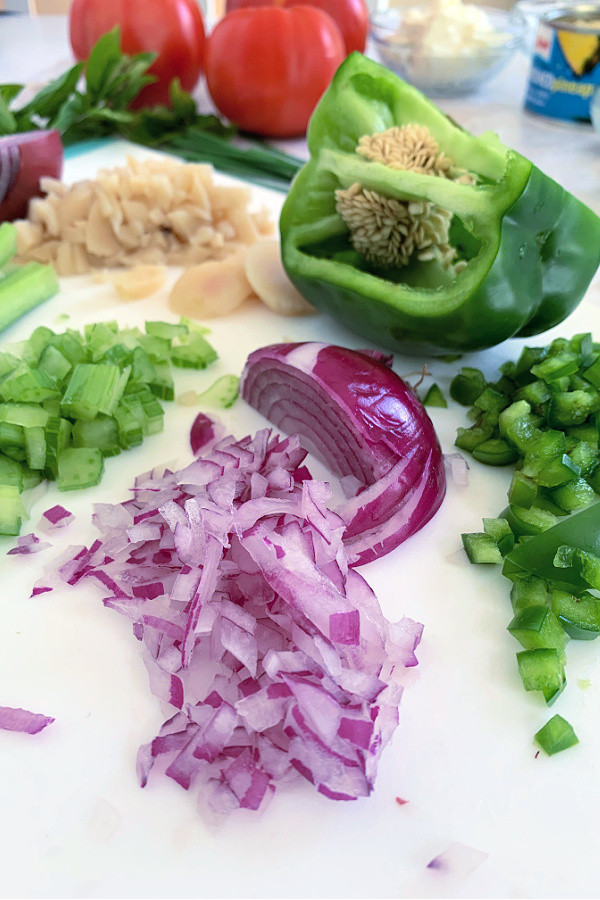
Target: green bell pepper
<point x="522" y="250"/>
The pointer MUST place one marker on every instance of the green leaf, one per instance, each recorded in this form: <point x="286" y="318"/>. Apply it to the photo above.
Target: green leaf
<point x="183" y="104"/>
<point x="47" y="103"/>
<point x="9" y="91"/>
<point x="71" y="113"/>
<point x="104" y="58"/>
<point x="8" y="123"/>
<point x="128" y="79"/>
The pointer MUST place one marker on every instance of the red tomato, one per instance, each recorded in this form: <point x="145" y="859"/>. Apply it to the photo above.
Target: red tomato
<point x="267" y="67"/>
<point x="351" y="16"/>
<point x="172" y="28"/>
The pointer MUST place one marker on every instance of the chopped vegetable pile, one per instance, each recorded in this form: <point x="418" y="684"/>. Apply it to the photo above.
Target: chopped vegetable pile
<point x="273" y="654"/>
<point x="543" y="415"/>
<point x="69" y="400"/>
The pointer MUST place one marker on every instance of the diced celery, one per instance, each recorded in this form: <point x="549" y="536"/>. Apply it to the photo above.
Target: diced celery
<point x="158" y="349"/>
<point x="11" y="472"/>
<point x="129" y="416"/>
<point x="162" y="384"/>
<point x="79" y="467"/>
<point x="24" y="414"/>
<point x="72" y="347"/>
<point x="101" y="432"/>
<point x="23" y="289"/>
<point x="11" y="435"/>
<point x="12" y="511"/>
<point x="143" y="370"/>
<point x="222" y="393"/>
<point x="53" y="363"/>
<point x="8" y="243"/>
<point x="167" y="330"/>
<point x="27" y="385"/>
<point x="193" y="352"/>
<point x="94" y="389"/>
<point x="35" y="447"/>
<point x="58" y="433"/>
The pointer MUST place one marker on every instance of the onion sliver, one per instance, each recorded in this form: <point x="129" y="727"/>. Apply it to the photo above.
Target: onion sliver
<point x="23" y="720"/>
<point x="363" y="421"/>
<point x="24" y="160"/>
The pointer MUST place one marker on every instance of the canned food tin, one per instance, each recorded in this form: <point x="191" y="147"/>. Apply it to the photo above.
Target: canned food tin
<point x="565" y="69"/>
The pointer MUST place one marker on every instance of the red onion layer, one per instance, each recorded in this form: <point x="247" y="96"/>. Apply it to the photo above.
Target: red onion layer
<point x="367" y="425"/>
<point x="274" y="655"/>
<point x="24" y="160"/>
<point x="23" y="720"/>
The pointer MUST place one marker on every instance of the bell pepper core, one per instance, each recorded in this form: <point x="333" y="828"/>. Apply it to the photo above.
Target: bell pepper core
<point x="526" y="249"/>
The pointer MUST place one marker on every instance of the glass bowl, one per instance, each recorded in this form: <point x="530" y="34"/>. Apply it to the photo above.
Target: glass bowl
<point x="398" y="47"/>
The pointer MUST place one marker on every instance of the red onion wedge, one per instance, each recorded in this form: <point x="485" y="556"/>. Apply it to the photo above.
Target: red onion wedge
<point x="24" y="160"/>
<point x="272" y="653"/>
<point x="354" y="413"/>
<point x="23" y="720"/>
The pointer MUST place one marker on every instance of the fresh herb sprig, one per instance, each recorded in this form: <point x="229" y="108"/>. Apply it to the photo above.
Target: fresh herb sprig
<point x="99" y="105"/>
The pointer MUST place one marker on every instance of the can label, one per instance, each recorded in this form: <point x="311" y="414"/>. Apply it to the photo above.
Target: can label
<point x="565" y="69"/>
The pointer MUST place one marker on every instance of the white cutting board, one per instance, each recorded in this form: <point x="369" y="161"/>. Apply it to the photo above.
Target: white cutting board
<point x="74" y="822"/>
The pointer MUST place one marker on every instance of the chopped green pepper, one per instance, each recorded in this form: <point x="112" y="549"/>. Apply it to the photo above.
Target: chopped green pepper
<point x="488" y="249"/>
<point x="556" y="735"/>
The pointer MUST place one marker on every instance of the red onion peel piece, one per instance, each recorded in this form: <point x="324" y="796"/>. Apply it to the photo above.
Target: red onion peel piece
<point x="23" y="720"/>
<point x="24" y="160"/>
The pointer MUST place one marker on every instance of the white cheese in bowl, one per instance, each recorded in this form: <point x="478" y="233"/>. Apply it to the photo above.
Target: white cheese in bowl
<point x="448" y="28"/>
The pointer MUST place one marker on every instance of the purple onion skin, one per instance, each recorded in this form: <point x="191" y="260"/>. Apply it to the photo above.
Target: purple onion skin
<point x="371" y="420"/>
<point x="24" y="160"/>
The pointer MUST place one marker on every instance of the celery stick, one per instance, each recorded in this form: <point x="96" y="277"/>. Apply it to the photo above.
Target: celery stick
<point x="8" y="242"/>
<point x="24" y="289"/>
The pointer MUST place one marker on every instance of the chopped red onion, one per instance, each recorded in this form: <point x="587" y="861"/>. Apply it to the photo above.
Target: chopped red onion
<point x="23" y="720"/>
<point x="458" y="860"/>
<point x="273" y="653"/>
<point x="366" y="424"/>
<point x="204" y="433"/>
<point x="26" y="544"/>
<point x="458" y="468"/>
<point x="56" y="517"/>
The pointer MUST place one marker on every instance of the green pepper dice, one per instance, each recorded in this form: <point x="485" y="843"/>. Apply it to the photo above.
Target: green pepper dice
<point x="459" y="250"/>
